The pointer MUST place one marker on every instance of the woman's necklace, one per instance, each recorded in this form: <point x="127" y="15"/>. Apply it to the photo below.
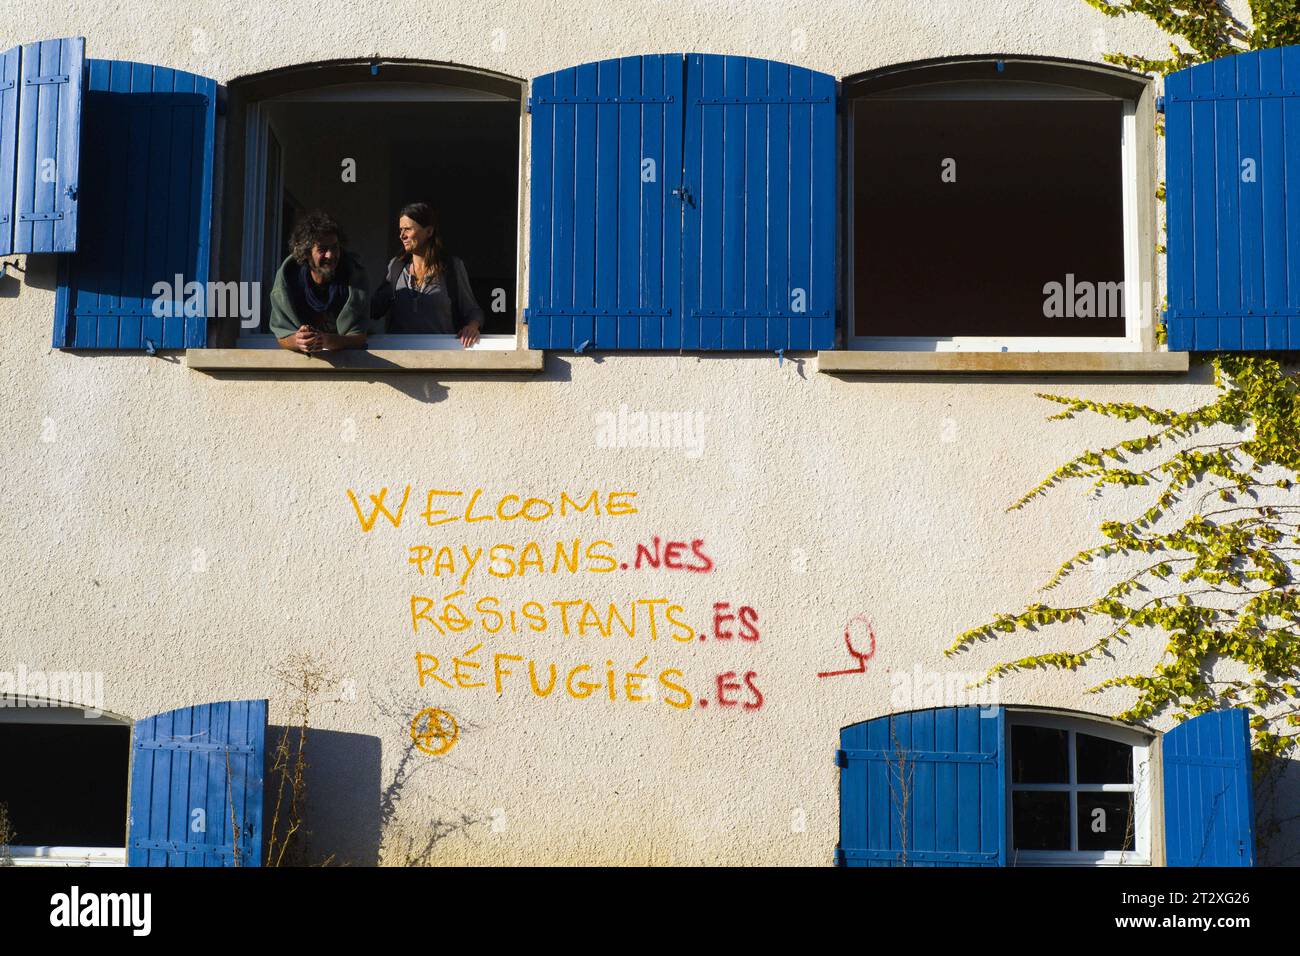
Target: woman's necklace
<point x="421" y="277"/>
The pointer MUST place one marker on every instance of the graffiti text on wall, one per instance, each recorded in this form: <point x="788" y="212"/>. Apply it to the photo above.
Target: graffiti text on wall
<point x="476" y="634"/>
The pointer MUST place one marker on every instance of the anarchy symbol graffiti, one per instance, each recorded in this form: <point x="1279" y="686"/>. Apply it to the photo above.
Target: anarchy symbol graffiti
<point x="434" y="731"/>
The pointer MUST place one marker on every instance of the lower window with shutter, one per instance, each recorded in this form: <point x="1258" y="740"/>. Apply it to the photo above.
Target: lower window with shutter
<point x="995" y="786"/>
<point x="63" y="790"/>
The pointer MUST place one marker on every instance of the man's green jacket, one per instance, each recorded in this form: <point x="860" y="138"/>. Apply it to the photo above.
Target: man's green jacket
<point x="289" y="308"/>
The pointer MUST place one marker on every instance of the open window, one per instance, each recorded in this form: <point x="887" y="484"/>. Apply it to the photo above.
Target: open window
<point x="360" y="140"/>
<point x="1018" y="786"/>
<point x="999" y="205"/>
<point x="81" y="787"/>
<point x="63" y="784"/>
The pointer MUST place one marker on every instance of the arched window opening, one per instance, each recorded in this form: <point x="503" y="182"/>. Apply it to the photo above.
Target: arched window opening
<point x="1000" y="204"/>
<point x="360" y="140"/>
<point x="64" y="789"/>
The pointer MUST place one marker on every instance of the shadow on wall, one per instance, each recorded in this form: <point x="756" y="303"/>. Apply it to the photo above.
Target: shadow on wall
<point x="342" y="785"/>
<point x="1277" y="815"/>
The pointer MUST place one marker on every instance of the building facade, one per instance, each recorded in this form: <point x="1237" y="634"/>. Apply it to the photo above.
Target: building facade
<point x="662" y="570"/>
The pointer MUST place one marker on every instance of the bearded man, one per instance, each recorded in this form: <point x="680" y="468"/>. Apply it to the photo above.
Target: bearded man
<point x="319" y="300"/>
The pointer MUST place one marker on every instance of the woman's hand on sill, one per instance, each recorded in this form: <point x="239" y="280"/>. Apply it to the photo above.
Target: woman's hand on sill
<point x="469" y="334"/>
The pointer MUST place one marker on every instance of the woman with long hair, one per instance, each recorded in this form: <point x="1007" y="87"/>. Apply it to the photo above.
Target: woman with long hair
<point x="425" y="290"/>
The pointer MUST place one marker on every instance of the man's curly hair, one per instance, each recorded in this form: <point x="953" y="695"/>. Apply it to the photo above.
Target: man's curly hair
<point x="308" y="230"/>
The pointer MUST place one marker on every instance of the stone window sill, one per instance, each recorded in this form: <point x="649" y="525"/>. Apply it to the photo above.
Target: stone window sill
<point x="366" y="360"/>
<point x="849" y="361"/>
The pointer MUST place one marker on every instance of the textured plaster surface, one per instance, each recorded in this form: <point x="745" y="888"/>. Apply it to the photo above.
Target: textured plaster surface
<point x="182" y="533"/>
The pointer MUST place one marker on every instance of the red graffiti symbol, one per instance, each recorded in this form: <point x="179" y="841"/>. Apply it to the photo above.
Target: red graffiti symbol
<point x="862" y="657"/>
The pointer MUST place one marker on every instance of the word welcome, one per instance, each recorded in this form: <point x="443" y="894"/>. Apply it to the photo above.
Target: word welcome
<point x="507" y="508"/>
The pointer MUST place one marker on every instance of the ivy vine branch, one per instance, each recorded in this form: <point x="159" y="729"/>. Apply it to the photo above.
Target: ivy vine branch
<point x="1207" y="26"/>
<point x="1217" y="584"/>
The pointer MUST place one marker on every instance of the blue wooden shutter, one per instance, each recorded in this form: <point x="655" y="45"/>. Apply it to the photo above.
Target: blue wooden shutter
<point x="953" y="770"/>
<point x="1209" y="807"/>
<point x="181" y="793"/>
<point x="603" y="250"/>
<point x="1234" y="243"/>
<point x="147" y="208"/>
<point x="759" y="240"/>
<point x="8" y="144"/>
<point x="49" y="145"/>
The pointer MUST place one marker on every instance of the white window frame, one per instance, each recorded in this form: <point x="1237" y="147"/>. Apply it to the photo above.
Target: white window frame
<point x="1137" y="308"/>
<point x="1144" y="790"/>
<point x="255" y="176"/>
<point x="39" y="712"/>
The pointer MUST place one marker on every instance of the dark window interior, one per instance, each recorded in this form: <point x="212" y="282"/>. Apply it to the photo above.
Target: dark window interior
<point x="1105" y="821"/>
<point x="65" y="784"/>
<point x="1103" y="761"/>
<point x="1038" y="196"/>
<point x="1039" y="755"/>
<point x="1042" y="819"/>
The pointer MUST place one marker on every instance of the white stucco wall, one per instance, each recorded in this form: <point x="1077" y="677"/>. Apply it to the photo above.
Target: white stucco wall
<point x="818" y="498"/>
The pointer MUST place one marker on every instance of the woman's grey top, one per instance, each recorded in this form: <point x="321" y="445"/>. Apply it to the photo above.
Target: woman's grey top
<point x="428" y="308"/>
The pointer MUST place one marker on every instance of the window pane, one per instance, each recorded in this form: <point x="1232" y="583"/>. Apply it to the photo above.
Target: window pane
<point x="1105" y="821"/>
<point x="1039" y="755"/>
<point x="1040" y="821"/>
<point x="1099" y="760"/>
<point x="965" y="210"/>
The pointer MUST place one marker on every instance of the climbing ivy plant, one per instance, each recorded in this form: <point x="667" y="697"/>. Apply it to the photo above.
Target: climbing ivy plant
<point x="1217" y="543"/>
<point x="1219" y="583"/>
<point x="1208" y="27"/>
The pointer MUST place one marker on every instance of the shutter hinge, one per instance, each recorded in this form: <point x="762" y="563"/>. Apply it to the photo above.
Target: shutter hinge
<point x="839" y="857"/>
<point x="1160" y="104"/>
<point x="841" y="758"/>
<point x="528" y="105"/>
